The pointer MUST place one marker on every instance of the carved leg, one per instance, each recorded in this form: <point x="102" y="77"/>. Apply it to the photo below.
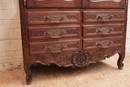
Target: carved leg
<point x="120" y="61"/>
<point x="28" y="75"/>
<point x="28" y="79"/>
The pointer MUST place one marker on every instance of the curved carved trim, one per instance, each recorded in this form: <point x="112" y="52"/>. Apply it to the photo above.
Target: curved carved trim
<point x="81" y="58"/>
<point x="52" y="62"/>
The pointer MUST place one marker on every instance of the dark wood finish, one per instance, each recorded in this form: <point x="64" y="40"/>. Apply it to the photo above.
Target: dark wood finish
<point x="104" y="15"/>
<point x="54" y="32"/>
<point x="53" y="17"/>
<point x="55" y="46"/>
<point x="72" y="33"/>
<point x="103" y="3"/>
<point x="98" y="30"/>
<point x="54" y="3"/>
<point x="90" y="43"/>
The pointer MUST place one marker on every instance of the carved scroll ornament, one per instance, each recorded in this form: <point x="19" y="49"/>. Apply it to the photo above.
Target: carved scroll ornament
<point x="47" y="0"/>
<point x="55" y="33"/>
<point x="57" y="48"/>
<point x="104" y="17"/>
<point x="105" y="0"/>
<point x="104" y="30"/>
<point x="104" y="43"/>
<point x="55" y="18"/>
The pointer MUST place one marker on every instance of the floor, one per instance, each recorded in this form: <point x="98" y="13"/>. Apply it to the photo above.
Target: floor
<point x="101" y="74"/>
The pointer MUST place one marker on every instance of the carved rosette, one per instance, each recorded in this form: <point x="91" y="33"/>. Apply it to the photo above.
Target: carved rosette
<point x="81" y="58"/>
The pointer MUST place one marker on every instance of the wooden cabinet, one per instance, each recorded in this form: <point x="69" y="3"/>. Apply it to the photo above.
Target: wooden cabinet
<point x="72" y="33"/>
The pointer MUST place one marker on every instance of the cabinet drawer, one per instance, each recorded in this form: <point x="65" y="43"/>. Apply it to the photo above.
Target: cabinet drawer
<point x="104" y="3"/>
<point x="54" y="3"/>
<point x="54" y="32"/>
<point x="98" y="54"/>
<point x="60" y="59"/>
<point x="102" y="42"/>
<point x="53" y="17"/>
<point x="103" y="29"/>
<point x="104" y="15"/>
<point x="55" y="46"/>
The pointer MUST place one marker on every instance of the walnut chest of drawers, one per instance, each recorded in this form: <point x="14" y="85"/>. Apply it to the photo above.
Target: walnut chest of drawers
<point x="72" y="33"/>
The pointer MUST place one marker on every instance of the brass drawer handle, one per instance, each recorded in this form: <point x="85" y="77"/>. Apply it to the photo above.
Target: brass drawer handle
<point x="57" y="48"/>
<point x="104" y="17"/>
<point x="55" y="33"/>
<point x="55" y="18"/>
<point x="47" y="0"/>
<point x="104" y="43"/>
<point x="104" y="30"/>
<point x="39" y="0"/>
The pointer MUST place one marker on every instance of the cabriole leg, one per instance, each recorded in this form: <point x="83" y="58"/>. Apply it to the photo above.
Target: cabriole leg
<point x="120" y="60"/>
<point x="28" y="75"/>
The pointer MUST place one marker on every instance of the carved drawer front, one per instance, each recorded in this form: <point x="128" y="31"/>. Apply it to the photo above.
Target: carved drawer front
<point x="102" y="53"/>
<point x="54" y="3"/>
<point x="55" y="46"/>
<point x="104" y="3"/>
<point x="103" y="29"/>
<point x="53" y="17"/>
<point x="54" y="32"/>
<point x="60" y="59"/>
<point x="104" y="15"/>
<point x="102" y="42"/>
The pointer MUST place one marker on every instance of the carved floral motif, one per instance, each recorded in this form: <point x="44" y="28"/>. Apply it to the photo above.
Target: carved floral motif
<point x="81" y="58"/>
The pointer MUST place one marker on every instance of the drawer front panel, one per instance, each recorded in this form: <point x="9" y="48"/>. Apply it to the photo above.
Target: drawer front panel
<point x="103" y="29"/>
<point x="104" y="16"/>
<point x="54" y="32"/>
<point x="60" y="59"/>
<point x="55" y="46"/>
<point x="54" y="3"/>
<point x="53" y="17"/>
<point x="102" y="53"/>
<point x="104" y="3"/>
<point x="102" y="42"/>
